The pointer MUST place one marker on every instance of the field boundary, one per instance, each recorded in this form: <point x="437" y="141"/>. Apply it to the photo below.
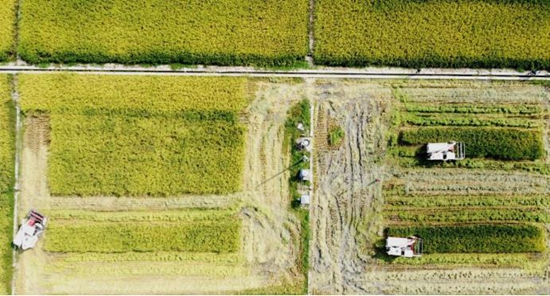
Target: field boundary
<point x="16" y="186"/>
<point x="345" y="73"/>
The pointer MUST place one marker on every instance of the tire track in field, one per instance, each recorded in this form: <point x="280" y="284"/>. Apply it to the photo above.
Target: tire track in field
<point x="346" y="188"/>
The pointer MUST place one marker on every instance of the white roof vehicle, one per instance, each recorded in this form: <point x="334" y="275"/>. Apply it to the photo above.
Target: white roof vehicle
<point x="30" y="230"/>
<point x="446" y="151"/>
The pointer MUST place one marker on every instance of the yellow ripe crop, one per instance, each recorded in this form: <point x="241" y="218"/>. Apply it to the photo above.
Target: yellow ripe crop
<point x="153" y="136"/>
<point x="220" y="236"/>
<point x="7" y="145"/>
<point x="7" y="21"/>
<point x="441" y="33"/>
<point x="226" y="32"/>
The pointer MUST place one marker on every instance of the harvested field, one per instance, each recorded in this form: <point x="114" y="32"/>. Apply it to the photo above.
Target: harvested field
<point x="227" y="32"/>
<point x="348" y="218"/>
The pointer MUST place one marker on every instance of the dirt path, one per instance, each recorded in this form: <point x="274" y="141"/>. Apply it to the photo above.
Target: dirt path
<point x="343" y="203"/>
<point x="270" y="232"/>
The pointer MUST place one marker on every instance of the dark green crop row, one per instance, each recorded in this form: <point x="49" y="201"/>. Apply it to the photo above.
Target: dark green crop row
<point x="487" y="238"/>
<point x="499" y="143"/>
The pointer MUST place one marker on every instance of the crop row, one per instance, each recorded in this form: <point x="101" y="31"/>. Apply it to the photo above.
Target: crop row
<point x="465" y="33"/>
<point x="475" y="109"/>
<point x="220" y="258"/>
<point x="224" y="32"/>
<point x="467" y="120"/>
<point x="396" y="202"/>
<point x="500" y="260"/>
<point x="157" y="269"/>
<point x="7" y="145"/>
<point x="186" y="216"/>
<point x="499" y="143"/>
<point x="409" y="159"/>
<point x="470" y="93"/>
<point x="109" y="237"/>
<point x="479" y="214"/>
<point x="484" y="238"/>
<point x="130" y="95"/>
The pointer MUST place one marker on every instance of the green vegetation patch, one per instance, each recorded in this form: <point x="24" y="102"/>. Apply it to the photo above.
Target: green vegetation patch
<point x="224" y="32"/>
<point x="7" y="152"/>
<point x="7" y="28"/>
<point x="112" y="237"/>
<point x="440" y="33"/>
<point x="219" y="235"/>
<point x="140" y="135"/>
<point x="499" y="143"/>
<point x="487" y="238"/>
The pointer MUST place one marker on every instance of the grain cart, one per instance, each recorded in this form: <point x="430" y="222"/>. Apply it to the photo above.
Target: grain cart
<point x="446" y="151"/>
<point x="30" y="230"/>
<point x="409" y="247"/>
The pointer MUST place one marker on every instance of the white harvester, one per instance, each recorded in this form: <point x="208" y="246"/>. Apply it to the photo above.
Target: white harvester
<point x="409" y="247"/>
<point x="30" y="230"/>
<point x="446" y="151"/>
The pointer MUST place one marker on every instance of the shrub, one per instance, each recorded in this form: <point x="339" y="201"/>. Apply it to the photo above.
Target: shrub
<point x="441" y="33"/>
<point x="223" y="32"/>
<point x="500" y="143"/>
<point x="487" y="238"/>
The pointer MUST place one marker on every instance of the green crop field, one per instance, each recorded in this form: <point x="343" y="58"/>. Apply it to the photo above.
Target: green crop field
<point x="219" y="234"/>
<point x="7" y="28"/>
<point x="441" y="33"/>
<point x="7" y="146"/>
<point x="477" y="238"/>
<point x="140" y="135"/>
<point x="227" y="32"/>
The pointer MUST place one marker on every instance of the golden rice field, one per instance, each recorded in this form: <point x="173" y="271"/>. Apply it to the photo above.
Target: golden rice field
<point x="227" y="32"/>
<point x="7" y="28"/>
<point x="140" y="135"/>
<point x="443" y="33"/>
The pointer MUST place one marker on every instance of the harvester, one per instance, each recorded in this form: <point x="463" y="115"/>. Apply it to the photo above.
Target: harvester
<point x="409" y="247"/>
<point x="446" y="151"/>
<point x="30" y="230"/>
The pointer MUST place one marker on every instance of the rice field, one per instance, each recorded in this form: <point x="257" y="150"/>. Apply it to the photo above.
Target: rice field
<point x="7" y="29"/>
<point x="227" y="32"/>
<point x="443" y="33"/>
<point x="135" y="136"/>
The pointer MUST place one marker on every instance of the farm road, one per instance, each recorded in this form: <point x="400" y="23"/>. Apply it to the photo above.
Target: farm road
<point x="318" y="72"/>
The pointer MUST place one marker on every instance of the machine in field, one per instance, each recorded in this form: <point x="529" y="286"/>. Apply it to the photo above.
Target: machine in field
<point x="446" y="151"/>
<point x="409" y="247"/>
<point x="30" y="230"/>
